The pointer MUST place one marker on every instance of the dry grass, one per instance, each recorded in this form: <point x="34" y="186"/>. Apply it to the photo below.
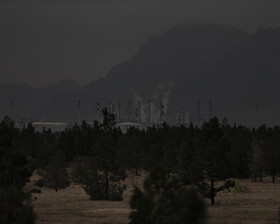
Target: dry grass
<point x="72" y="205"/>
<point x="259" y="205"/>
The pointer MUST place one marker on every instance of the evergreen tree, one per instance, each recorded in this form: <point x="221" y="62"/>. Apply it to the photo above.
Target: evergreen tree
<point x="271" y="156"/>
<point x="257" y="164"/>
<point x="15" y="171"/>
<point x="102" y="173"/>
<point x="55" y="174"/>
<point x="190" y="166"/>
<point x="166" y="201"/>
<point x="241" y="150"/>
<point x="214" y="152"/>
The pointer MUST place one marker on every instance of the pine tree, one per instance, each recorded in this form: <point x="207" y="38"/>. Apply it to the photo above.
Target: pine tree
<point x="15" y="171"/>
<point x="166" y="201"/>
<point x="214" y="152"/>
<point x="55" y="174"/>
<point x="257" y="164"/>
<point x="271" y="156"/>
<point x="101" y="172"/>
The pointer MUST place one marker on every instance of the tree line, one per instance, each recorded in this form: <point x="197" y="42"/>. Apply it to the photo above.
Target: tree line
<point x="101" y="156"/>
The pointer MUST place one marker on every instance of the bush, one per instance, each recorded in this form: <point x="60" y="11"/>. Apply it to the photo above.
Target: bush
<point x="168" y="202"/>
<point x="241" y="188"/>
<point x="96" y="183"/>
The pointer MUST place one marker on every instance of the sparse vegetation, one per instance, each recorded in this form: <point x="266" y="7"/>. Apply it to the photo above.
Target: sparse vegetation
<point x="241" y="188"/>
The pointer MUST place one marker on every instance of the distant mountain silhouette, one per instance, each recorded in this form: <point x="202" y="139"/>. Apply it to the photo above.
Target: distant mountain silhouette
<point x="183" y="65"/>
<point x="252" y="71"/>
<point x="67" y="85"/>
<point x="31" y="103"/>
<point x="168" y="67"/>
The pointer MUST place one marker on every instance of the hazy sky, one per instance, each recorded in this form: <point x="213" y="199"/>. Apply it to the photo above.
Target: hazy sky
<point x="45" y="41"/>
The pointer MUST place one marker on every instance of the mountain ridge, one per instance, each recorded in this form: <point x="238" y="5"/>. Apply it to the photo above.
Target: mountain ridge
<point x="188" y="63"/>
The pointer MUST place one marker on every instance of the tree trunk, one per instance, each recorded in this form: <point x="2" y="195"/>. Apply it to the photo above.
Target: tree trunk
<point x="136" y="172"/>
<point x="273" y="178"/>
<point x="240" y="174"/>
<point x="261" y="179"/>
<point x="124" y="174"/>
<point x="106" y="185"/>
<point x="212" y="193"/>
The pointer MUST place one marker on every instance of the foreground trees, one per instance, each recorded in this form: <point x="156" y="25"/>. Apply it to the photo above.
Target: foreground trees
<point x="167" y="202"/>
<point x="15" y="205"/>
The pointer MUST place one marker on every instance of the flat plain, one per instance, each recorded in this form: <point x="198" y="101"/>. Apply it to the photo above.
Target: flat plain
<point x="259" y="203"/>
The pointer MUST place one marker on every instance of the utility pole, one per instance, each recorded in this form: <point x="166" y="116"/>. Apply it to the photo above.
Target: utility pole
<point x="210" y="109"/>
<point x="113" y="109"/>
<point x="97" y="108"/>
<point x="257" y="112"/>
<point x="198" y="113"/>
<point x="149" y="112"/>
<point x="181" y="116"/>
<point x="12" y="108"/>
<point x="139" y="111"/>
<point x="109" y="106"/>
<point x="79" y="110"/>
<point x="188" y="117"/>
<point x="119" y="111"/>
<point x="136" y="114"/>
<point x="129" y="105"/>
<point x="245" y="111"/>
<point x="161" y="112"/>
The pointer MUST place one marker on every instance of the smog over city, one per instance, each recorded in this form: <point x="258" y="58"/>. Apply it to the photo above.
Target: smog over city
<point x="98" y="97"/>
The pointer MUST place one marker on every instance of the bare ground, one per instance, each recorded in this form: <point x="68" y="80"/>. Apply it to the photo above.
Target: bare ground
<point x="72" y="205"/>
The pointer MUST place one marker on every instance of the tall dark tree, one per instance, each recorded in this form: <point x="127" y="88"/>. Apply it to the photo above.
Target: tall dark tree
<point x="102" y="173"/>
<point x="190" y="166"/>
<point x="241" y="151"/>
<point x="214" y="151"/>
<point x="55" y="174"/>
<point x="257" y="163"/>
<point x="271" y="156"/>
